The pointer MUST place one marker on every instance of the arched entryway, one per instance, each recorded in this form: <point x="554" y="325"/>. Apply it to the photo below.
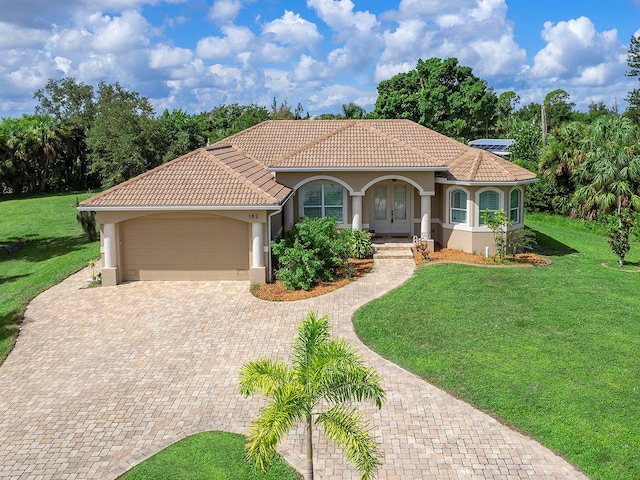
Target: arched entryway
<point x="391" y="208"/>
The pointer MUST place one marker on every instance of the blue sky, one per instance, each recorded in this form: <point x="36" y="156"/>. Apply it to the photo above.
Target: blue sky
<point x="198" y="54"/>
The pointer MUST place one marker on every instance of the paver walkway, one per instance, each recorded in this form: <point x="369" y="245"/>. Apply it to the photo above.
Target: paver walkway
<point x="102" y="378"/>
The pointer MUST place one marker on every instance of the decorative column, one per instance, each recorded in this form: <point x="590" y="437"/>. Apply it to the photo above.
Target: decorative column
<point x="257" y="272"/>
<point x="425" y="220"/>
<point x="109" y="271"/>
<point x="356" y="209"/>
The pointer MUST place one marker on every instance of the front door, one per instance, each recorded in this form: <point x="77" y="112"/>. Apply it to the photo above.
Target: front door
<point x="391" y="208"/>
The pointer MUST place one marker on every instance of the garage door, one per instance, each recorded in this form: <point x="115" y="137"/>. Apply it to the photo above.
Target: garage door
<point x="184" y="247"/>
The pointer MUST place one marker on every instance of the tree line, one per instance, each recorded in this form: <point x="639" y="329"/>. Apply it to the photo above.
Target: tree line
<point x="81" y="137"/>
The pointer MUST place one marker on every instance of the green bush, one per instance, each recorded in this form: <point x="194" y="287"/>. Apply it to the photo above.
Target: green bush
<point x="310" y="253"/>
<point x="359" y="242"/>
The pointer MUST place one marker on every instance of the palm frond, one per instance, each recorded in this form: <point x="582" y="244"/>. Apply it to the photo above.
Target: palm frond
<point x="313" y="332"/>
<point x="347" y="428"/>
<point x="262" y="376"/>
<point x="286" y="407"/>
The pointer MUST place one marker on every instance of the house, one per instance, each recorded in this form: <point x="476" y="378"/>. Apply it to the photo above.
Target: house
<point x="212" y="213"/>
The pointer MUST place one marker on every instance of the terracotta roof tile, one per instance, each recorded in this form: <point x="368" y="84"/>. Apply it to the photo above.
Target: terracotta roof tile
<point x="235" y="171"/>
<point x="220" y="176"/>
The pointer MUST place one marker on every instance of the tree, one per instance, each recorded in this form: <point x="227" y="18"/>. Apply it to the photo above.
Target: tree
<point x="324" y="372"/>
<point x="498" y="222"/>
<point x="352" y="110"/>
<point x="633" y="60"/>
<point x="72" y="105"/>
<point x="125" y="139"/>
<point x="558" y="108"/>
<point x="507" y="102"/>
<point x="609" y="177"/>
<point x="442" y="95"/>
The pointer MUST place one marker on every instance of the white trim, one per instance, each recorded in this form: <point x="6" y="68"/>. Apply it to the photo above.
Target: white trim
<point x="501" y="204"/>
<point x="408" y="180"/>
<point x="447" y="194"/>
<point x="316" y="178"/>
<point x="178" y="208"/>
<point x="344" y="201"/>
<point x="520" y="206"/>
<point x="356" y="169"/>
<point x="485" y="184"/>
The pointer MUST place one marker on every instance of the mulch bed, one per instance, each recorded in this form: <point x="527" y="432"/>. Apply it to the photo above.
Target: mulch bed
<point x="444" y="255"/>
<point x="277" y="292"/>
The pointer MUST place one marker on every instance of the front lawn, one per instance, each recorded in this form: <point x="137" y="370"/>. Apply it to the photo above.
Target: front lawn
<point x="207" y="456"/>
<point x="553" y="351"/>
<point x="41" y="244"/>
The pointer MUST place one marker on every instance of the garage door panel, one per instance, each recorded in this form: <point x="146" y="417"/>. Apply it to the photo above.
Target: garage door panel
<point x="205" y="247"/>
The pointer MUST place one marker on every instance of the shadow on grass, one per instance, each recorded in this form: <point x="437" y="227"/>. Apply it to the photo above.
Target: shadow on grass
<point x="39" y="249"/>
<point x="550" y="246"/>
<point x="9" y="326"/>
<point x="11" y="278"/>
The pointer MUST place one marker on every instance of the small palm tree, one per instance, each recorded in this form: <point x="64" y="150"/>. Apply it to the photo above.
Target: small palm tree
<point x="609" y="177"/>
<point x="324" y="372"/>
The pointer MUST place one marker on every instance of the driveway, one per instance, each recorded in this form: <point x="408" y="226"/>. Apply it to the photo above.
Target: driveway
<point x="102" y="378"/>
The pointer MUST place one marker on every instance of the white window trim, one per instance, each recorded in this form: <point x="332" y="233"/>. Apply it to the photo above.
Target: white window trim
<point x="477" y="204"/>
<point x="450" y="223"/>
<point x="520" y="205"/>
<point x="344" y="222"/>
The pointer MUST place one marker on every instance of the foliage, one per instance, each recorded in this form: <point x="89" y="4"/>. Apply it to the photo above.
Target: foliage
<point x="310" y="252"/>
<point x="40" y="244"/>
<point x="620" y="235"/>
<point x="207" y="456"/>
<point x="441" y="95"/>
<point x="87" y="221"/>
<point x="125" y="139"/>
<point x="558" y="108"/>
<point x="633" y="60"/>
<point x="498" y="222"/>
<point x="539" y="348"/>
<point x="358" y="243"/>
<point x="507" y="102"/>
<point x="520" y="240"/>
<point x="525" y="150"/>
<point x="324" y="372"/>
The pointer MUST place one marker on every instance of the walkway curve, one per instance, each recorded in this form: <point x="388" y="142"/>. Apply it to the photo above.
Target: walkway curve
<point x="100" y="379"/>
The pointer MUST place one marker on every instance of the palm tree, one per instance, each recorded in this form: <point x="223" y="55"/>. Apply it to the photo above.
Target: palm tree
<point x="609" y="177"/>
<point x="324" y="372"/>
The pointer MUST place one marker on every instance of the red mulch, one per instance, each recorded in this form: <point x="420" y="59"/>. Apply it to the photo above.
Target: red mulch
<point x="277" y="292"/>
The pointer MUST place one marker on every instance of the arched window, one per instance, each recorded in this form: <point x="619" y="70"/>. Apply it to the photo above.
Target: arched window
<point x="514" y="206"/>
<point x="323" y="200"/>
<point x="488" y="200"/>
<point x="458" y="206"/>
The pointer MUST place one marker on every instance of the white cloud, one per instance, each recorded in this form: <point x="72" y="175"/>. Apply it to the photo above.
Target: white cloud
<point x="12" y="36"/>
<point x="292" y="29"/>
<point x="163" y="56"/>
<point x="573" y="46"/>
<point x="309" y="69"/>
<point x="235" y="41"/>
<point x="224" y="10"/>
<point x="114" y="34"/>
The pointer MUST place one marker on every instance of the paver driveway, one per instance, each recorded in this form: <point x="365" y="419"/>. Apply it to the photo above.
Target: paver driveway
<point x="100" y="379"/>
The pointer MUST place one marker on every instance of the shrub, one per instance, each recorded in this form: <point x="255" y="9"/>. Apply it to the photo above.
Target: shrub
<point x="520" y="240"/>
<point x="310" y="252"/>
<point x="359" y="243"/>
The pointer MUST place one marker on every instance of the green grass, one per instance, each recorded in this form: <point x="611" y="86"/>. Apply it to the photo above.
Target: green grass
<point x="41" y="243"/>
<point x="553" y="351"/>
<point x="207" y="456"/>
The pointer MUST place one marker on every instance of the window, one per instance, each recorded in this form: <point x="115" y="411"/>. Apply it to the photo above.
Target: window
<point x="514" y="206"/>
<point x="323" y="200"/>
<point x="489" y="200"/>
<point x="458" y="201"/>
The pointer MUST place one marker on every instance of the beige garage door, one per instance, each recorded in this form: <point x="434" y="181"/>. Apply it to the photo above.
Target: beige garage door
<point x="184" y="247"/>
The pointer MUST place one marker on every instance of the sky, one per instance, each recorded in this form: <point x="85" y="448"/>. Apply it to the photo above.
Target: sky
<point x="195" y="55"/>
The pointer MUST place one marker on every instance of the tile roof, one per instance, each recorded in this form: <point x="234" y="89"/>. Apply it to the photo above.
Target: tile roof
<point x="220" y="176"/>
<point x="361" y="144"/>
<point x="235" y="170"/>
